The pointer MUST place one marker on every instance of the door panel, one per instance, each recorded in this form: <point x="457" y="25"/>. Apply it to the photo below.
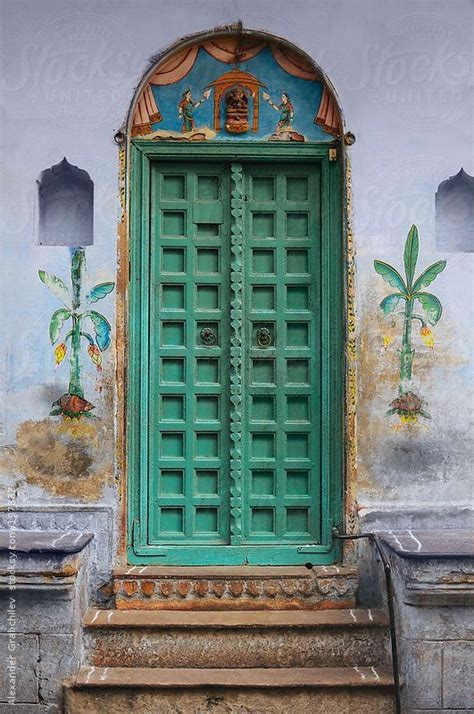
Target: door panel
<point x="282" y="355"/>
<point x="236" y="353"/>
<point x="189" y="353"/>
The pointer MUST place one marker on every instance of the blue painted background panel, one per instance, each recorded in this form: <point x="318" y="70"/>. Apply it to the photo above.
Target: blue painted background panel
<point x="305" y="96"/>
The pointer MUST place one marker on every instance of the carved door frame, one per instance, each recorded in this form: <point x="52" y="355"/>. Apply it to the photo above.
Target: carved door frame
<point x="332" y="337"/>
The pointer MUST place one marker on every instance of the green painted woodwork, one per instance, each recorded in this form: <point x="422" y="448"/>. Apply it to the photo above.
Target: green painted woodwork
<point x="188" y="477"/>
<point x="235" y="409"/>
<point x="236" y="354"/>
<point x="282" y="402"/>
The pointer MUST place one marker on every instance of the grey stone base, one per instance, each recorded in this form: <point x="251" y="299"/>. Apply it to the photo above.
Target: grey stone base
<point x="43" y="597"/>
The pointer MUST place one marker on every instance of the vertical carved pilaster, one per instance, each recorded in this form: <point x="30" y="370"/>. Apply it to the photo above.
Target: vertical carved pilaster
<point x="351" y="362"/>
<point x="236" y="240"/>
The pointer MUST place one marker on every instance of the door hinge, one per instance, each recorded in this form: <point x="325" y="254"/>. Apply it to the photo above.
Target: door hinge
<point x="332" y="153"/>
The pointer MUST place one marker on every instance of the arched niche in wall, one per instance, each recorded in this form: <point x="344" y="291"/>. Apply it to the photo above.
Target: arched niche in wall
<point x="66" y="206"/>
<point x="454" y="204"/>
<point x="246" y="86"/>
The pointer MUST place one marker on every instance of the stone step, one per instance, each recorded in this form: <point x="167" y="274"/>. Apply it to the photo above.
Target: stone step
<point x="235" y="588"/>
<point x="99" y="619"/>
<point x="292" y="638"/>
<point x="341" y="690"/>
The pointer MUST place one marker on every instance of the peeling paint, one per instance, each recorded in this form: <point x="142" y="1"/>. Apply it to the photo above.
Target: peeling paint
<point x="68" y="458"/>
<point x="396" y="458"/>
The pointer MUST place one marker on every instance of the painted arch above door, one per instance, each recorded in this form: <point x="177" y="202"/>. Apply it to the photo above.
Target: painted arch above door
<point x="236" y="87"/>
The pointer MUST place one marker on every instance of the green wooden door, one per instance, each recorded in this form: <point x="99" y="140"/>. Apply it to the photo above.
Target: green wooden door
<point x="230" y="318"/>
<point x="189" y="355"/>
<point x="281" y="380"/>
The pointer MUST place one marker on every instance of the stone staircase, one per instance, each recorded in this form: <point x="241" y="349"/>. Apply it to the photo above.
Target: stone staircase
<point x="244" y="640"/>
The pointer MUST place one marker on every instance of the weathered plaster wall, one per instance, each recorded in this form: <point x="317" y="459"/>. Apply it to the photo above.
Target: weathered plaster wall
<point x="402" y="74"/>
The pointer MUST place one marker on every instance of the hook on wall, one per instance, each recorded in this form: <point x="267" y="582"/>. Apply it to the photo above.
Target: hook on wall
<point x="119" y="137"/>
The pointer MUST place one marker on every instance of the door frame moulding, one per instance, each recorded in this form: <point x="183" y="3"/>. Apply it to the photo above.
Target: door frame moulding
<point x="139" y="551"/>
<point x="254" y="150"/>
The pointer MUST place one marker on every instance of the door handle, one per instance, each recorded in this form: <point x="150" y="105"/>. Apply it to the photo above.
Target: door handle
<point x="208" y="336"/>
<point x="264" y="337"/>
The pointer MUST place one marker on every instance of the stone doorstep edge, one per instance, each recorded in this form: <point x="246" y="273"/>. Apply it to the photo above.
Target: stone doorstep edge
<point x="151" y="572"/>
<point x="142" y="677"/>
<point x="134" y="619"/>
<point x="206" y="604"/>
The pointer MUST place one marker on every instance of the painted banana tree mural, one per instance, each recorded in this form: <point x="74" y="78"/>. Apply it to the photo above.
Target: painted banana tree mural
<point x="417" y="306"/>
<point x="73" y="404"/>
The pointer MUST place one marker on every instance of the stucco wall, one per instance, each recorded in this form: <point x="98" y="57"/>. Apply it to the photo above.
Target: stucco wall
<point x="401" y="70"/>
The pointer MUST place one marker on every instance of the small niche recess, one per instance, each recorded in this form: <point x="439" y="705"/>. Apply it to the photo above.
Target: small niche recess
<point x="66" y="206"/>
<point x="454" y="206"/>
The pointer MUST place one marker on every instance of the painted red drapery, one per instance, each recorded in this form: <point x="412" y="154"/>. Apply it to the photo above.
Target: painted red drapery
<point x="328" y="114"/>
<point x="231" y="50"/>
<point x="175" y="67"/>
<point x="294" y="63"/>
<point x="146" y="113"/>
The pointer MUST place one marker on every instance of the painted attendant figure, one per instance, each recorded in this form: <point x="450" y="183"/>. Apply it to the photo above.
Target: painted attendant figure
<point x="186" y="109"/>
<point x="286" y="111"/>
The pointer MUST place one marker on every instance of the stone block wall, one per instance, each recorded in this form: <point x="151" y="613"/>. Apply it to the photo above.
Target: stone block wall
<point x="43" y="597"/>
<point x="433" y="578"/>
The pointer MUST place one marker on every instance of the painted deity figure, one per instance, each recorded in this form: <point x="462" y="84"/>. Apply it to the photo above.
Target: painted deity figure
<point x="237" y="100"/>
<point x="237" y="111"/>
<point x="186" y="109"/>
<point x="286" y="111"/>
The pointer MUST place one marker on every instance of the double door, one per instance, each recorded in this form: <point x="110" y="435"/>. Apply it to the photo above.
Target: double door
<point x="234" y="360"/>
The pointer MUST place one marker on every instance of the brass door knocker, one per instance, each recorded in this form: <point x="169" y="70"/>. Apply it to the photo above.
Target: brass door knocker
<point x="208" y="336"/>
<point x="264" y="337"/>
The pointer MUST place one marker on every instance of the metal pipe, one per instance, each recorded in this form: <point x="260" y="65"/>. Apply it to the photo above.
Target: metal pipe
<point x="390" y="602"/>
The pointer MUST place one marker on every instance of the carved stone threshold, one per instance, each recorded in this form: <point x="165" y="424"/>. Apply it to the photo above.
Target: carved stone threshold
<point x="235" y="588"/>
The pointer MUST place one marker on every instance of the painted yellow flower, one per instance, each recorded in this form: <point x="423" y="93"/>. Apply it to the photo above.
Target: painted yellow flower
<point x="60" y="352"/>
<point x="387" y="340"/>
<point x="96" y="357"/>
<point x="408" y="418"/>
<point x="427" y="336"/>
